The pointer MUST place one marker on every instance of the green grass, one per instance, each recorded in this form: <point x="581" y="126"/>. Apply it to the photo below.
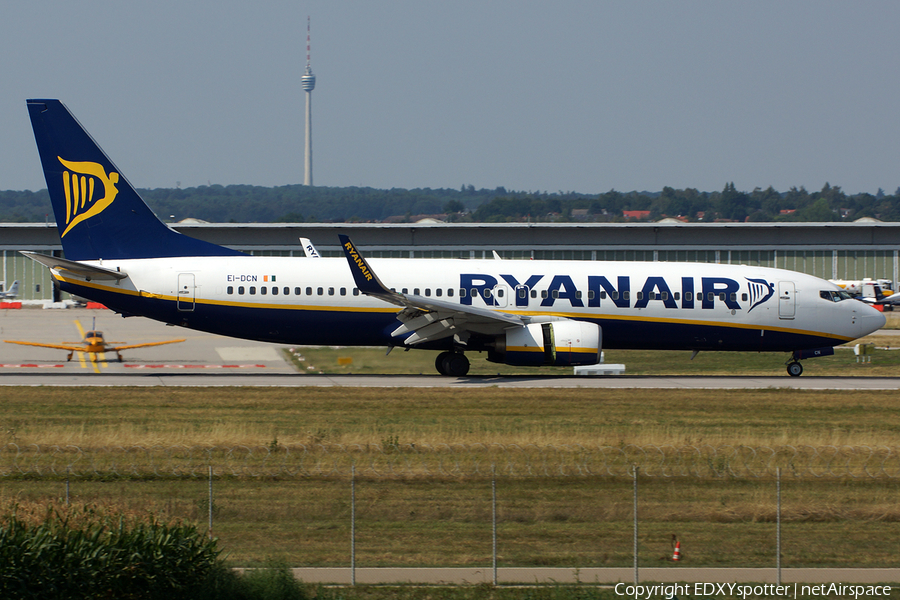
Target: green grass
<point x="446" y="521"/>
<point x="372" y="361"/>
<point x="573" y="522"/>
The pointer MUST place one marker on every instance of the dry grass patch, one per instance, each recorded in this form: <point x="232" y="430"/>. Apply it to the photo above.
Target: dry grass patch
<point x="90" y="418"/>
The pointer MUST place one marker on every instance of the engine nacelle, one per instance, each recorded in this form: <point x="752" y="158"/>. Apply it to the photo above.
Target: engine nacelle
<point x="558" y="343"/>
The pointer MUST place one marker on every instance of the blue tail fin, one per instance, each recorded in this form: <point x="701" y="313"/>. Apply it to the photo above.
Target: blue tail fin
<point x="98" y="213"/>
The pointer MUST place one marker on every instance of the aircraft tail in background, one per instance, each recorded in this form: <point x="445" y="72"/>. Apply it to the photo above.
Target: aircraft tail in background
<point x="98" y="213"/>
<point x="12" y="292"/>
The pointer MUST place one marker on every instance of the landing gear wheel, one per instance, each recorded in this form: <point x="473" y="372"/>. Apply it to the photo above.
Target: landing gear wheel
<point x="794" y="369"/>
<point x="452" y="364"/>
<point x="439" y="362"/>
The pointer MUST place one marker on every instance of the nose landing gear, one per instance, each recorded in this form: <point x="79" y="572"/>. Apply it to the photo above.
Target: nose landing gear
<point x="794" y="368"/>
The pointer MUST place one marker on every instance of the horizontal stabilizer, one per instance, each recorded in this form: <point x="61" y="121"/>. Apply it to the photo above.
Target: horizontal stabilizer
<point x="82" y="270"/>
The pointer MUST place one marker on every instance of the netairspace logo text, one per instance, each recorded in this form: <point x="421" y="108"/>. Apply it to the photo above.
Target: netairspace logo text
<point x="744" y="591"/>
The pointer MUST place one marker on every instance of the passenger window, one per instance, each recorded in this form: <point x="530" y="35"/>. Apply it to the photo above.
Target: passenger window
<point x="487" y="293"/>
<point x="665" y="296"/>
<point x="555" y="293"/>
<point x="590" y="294"/>
<point x="343" y="291"/>
<point x="252" y="290"/>
<point x="241" y="290"/>
<point x="428" y="291"/>
<point x="309" y="291"/>
<point x="626" y="295"/>
<point x="677" y="295"/>
<point x="449" y="292"/>
<point x="500" y="292"/>
<point x="710" y="296"/>
<point x="688" y="297"/>
<point x="230" y="289"/>
<point x="405" y="290"/>
<point x="640" y="296"/>
<point x="262" y="290"/>
<point x="287" y="291"/>
<point x="733" y="296"/>
<point x="722" y="297"/>
<point x="543" y="293"/>
<point x="473" y="292"/>
<point x="744" y="297"/>
<point x="356" y="291"/>
<point x="274" y="291"/>
<point x="438" y="292"/>
<point x="331" y="291"/>
<point x="522" y="292"/>
<point x="615" y="295"/>
<point x="416" y="291"/>
<point x="578" y="294"/>
<point x="320" y="291"/>
<point x="534" y="293"/>
<point x="603" y="295"/>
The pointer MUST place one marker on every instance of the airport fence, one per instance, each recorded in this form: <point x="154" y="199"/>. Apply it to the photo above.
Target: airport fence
<point x="389" y="505"/>
<point x="450" y="460"/>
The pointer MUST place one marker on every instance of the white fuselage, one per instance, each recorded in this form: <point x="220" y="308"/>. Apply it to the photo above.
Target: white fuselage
<point x="638" y="305"/>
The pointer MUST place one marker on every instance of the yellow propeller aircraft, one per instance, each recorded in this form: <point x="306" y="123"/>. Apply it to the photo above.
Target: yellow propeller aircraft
<point x="92" y="344"/>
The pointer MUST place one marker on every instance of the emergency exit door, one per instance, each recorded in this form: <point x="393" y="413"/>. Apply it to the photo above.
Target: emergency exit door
<point x="185" y="291"/>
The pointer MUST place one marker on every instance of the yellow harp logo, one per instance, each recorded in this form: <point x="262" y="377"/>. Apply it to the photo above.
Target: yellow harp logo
<point x="79" y="185"/>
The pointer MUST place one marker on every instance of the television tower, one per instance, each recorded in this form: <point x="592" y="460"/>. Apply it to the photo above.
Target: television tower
<point x="309" y="83"/>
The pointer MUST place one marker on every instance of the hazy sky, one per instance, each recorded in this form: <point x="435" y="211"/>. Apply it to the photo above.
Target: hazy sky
<point x="579" y="95"/>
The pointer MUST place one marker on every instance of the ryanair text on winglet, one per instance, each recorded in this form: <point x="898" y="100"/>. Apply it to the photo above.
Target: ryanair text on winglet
<point x="359" y="262"/>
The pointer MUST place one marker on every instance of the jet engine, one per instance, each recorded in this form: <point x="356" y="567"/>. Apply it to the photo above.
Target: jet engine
<point x="558" y="343"/>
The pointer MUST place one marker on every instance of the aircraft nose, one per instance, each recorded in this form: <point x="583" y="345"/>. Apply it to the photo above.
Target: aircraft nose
<point x="870" y="320"/>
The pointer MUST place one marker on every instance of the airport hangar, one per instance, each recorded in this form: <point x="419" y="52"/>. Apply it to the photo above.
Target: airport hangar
<point x="827" y="250"/>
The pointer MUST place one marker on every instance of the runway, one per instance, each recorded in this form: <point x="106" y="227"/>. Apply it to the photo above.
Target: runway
<point x="210" y="360"/>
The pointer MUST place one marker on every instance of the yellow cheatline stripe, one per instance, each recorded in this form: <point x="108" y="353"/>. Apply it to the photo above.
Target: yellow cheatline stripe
<point x="641" y="319"/>
<point x="524" y="313"/>
<point x="92" y="285"/>
<point x="534" y="349"/>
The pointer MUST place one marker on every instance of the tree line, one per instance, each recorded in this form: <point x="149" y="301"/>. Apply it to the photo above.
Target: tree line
<point x="299" y="203"/>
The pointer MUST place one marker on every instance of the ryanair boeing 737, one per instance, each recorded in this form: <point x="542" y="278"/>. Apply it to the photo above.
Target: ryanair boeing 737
<point x="532" y="313"/>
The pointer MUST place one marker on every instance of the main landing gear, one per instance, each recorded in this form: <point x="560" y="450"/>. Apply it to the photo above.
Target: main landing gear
<point x="452" y="364"/>
<point x="794" y="368"/>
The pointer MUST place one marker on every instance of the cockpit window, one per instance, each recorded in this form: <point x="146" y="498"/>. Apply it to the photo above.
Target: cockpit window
<point x="835" y="296"/>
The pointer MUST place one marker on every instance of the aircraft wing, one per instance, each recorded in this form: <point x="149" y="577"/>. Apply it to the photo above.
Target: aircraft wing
<point x="70" y="348"/>
<point x="427" y="318"/>
<point x="132" y="346"/>
<point x="88" y="272"/>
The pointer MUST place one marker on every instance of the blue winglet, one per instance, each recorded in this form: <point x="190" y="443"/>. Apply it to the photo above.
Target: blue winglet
<point x="363" y="275"/>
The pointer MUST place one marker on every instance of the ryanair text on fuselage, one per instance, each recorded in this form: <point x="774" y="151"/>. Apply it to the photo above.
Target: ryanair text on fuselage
<point x="685" y="294"/>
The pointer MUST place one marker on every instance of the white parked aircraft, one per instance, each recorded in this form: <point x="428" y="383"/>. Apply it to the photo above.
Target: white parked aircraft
<point x="870" y="291"/>
<point x="518" y="312"/>
<point x="12" y="292"/>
